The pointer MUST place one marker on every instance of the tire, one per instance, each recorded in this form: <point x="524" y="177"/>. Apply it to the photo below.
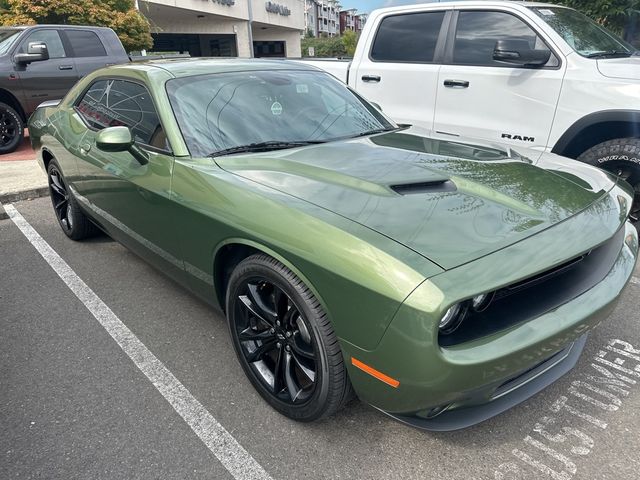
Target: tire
<point x="622" y="158"/>
<point x="73" y="222"/>
<point x="284" y="341"/>
<point x="11" y="129"/>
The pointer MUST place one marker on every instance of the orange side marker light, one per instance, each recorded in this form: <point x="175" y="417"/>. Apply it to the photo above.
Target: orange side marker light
<point x="375" y="373"/>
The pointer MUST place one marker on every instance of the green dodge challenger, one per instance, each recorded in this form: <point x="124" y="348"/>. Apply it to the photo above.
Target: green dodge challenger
<point x="441" y="282"/>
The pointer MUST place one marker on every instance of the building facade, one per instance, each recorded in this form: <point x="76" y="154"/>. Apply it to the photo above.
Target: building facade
<point x="226" y="28"/>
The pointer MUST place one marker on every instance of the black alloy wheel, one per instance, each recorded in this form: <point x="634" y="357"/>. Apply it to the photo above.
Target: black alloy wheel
<point x="60" y="198"/>
<point x="73" y="222"/>
<point x="275" y="341"/>
<point x="11" y="129"/>
<point x="284" y="340"/>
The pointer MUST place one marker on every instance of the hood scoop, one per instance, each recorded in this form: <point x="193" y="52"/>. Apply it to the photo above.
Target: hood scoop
<point x="415" y="188"/>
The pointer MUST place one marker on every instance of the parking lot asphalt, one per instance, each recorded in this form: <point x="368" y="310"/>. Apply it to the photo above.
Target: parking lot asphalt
<point x="73" y="403"/>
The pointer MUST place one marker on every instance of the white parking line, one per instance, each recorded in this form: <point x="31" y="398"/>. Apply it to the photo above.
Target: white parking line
<point x="228" y="451"/>
<point x="635" y="280"/>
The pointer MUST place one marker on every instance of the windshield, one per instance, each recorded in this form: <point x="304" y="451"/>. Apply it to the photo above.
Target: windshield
<point x="219" y="112"/>
<point x="583" y="34"/>
<point x="7" y="39"/>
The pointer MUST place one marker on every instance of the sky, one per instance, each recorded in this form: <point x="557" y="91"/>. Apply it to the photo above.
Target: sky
<point x="366" y="6"/>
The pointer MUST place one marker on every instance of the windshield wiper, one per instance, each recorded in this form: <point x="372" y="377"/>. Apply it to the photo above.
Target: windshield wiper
<point x="610" y="53"/>
<point x="263" y="147"/>
<point x="374" y="131"/>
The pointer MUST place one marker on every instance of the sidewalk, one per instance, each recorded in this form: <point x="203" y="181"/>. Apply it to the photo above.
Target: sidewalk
<point x="20" y="176"/>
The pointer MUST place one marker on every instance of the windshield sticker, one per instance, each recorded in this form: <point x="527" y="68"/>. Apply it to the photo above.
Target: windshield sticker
<point x="276" y="108"/>
<point x="546" y="12"/>
<point x="302" y="88"/>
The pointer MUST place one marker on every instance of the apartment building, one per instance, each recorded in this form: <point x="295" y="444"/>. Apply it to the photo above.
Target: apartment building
<point x="326" y="18"/>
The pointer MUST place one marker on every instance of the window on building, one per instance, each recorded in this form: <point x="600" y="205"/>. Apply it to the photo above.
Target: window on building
<point x="50" y="37"/>
<point x="110" y="103"/>
<point x="477" y="33"/>
<point x="407" y="38"/>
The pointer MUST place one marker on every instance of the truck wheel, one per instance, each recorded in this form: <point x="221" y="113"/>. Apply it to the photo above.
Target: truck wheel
<point x="622" y="158"/>
<point x="11" y="129"/>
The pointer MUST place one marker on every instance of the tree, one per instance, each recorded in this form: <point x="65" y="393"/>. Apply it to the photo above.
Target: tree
<point x="324" y="46"/>
<point x="120" y="15"/>
<point x="616" y="15"/>
<point x="350" y="40"/>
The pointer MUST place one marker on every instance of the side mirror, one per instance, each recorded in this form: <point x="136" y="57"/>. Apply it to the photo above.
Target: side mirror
<point x="119" y="139"/>
<point x="114" y="139"/>
<point x="36" y="52"/>
<point x="518" y="52"/>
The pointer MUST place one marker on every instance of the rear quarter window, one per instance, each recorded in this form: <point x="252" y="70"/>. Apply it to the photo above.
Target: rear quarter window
<point x="407" y="38"/>
<point x="85" y="43"/>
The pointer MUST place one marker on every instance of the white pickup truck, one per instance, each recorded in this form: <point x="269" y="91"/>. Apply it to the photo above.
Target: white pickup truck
<point x="525" y="74"/>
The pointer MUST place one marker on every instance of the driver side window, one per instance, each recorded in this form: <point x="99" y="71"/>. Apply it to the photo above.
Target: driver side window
<point x="478" y="31"/>
<point x="50" y="37"/>
<point x="111" y="103"/>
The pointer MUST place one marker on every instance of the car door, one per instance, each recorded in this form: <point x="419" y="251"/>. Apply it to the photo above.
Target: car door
<point x="48" y="79"/>
<point x="400" y="72"/>
<point x="479" y="97"/>
<point x="87" y="49"/>
<point x="129" y="194"/>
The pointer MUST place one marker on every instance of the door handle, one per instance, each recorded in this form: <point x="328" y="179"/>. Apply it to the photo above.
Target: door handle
<point x="456" y="83"/>
<point x="65" y="67"/>
<point x="371" y="78"/>
<point x="84" y="148"/>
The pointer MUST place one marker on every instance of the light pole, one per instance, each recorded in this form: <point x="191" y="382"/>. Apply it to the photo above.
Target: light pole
<point x="250" y="28"/>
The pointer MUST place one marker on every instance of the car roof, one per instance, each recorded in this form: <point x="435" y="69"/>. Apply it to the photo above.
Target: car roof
<point x="468" y="3"/>
<point x="47" y="25"/>
<point x="181" y="67"/>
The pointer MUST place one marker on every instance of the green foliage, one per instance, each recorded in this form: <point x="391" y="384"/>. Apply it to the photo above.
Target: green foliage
<point x="350" y="40"/>
<point x="613" y="14"/>
<point x="339" y="46"/>
<point x="120" y="15"/>
<point x="324" y="46"/>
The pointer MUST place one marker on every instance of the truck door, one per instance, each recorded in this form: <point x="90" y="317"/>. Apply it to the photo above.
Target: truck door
<point x="479" y="97"/>
<point x="400" y="72"/>
<point x="50" y="79"/>
<point x="88" y="51"/>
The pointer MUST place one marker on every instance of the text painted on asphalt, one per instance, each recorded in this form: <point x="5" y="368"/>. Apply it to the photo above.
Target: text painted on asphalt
<point x="558" y="440"/>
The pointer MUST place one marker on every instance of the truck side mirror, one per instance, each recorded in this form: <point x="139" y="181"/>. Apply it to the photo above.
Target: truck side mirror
<point x="36" y="52"/>
<point x="518" y="52"/>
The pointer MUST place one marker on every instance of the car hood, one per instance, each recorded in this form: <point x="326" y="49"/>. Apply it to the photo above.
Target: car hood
<point x="625" y="68"/>
<point x="450" y="202"/>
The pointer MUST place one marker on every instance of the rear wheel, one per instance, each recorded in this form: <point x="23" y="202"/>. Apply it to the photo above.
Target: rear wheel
<point x="73" y="222"/>
<point x="284" y="340"/>
<point x="622" y="158"/>
<point x="11" y="129"/>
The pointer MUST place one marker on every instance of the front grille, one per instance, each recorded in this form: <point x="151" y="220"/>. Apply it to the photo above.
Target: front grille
<point x="533" y="296"/>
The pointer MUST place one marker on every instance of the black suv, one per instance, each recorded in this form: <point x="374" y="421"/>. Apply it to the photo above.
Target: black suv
<point x="42" y="62"/>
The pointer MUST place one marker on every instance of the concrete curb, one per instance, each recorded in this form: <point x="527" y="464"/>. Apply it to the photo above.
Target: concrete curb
<point x="24" y="195"/>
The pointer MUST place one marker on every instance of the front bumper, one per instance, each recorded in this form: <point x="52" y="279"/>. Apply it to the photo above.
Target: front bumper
<point x="463" y="384"/>
<point x="505" y="396"/>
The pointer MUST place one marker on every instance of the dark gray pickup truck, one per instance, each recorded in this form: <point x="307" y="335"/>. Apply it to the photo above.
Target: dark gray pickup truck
<point x="42" y="62"/>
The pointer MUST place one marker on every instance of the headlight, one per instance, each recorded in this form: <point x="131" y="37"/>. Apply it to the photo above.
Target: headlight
<point x="481" y="302"/>
<point x="452" y="319"/>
